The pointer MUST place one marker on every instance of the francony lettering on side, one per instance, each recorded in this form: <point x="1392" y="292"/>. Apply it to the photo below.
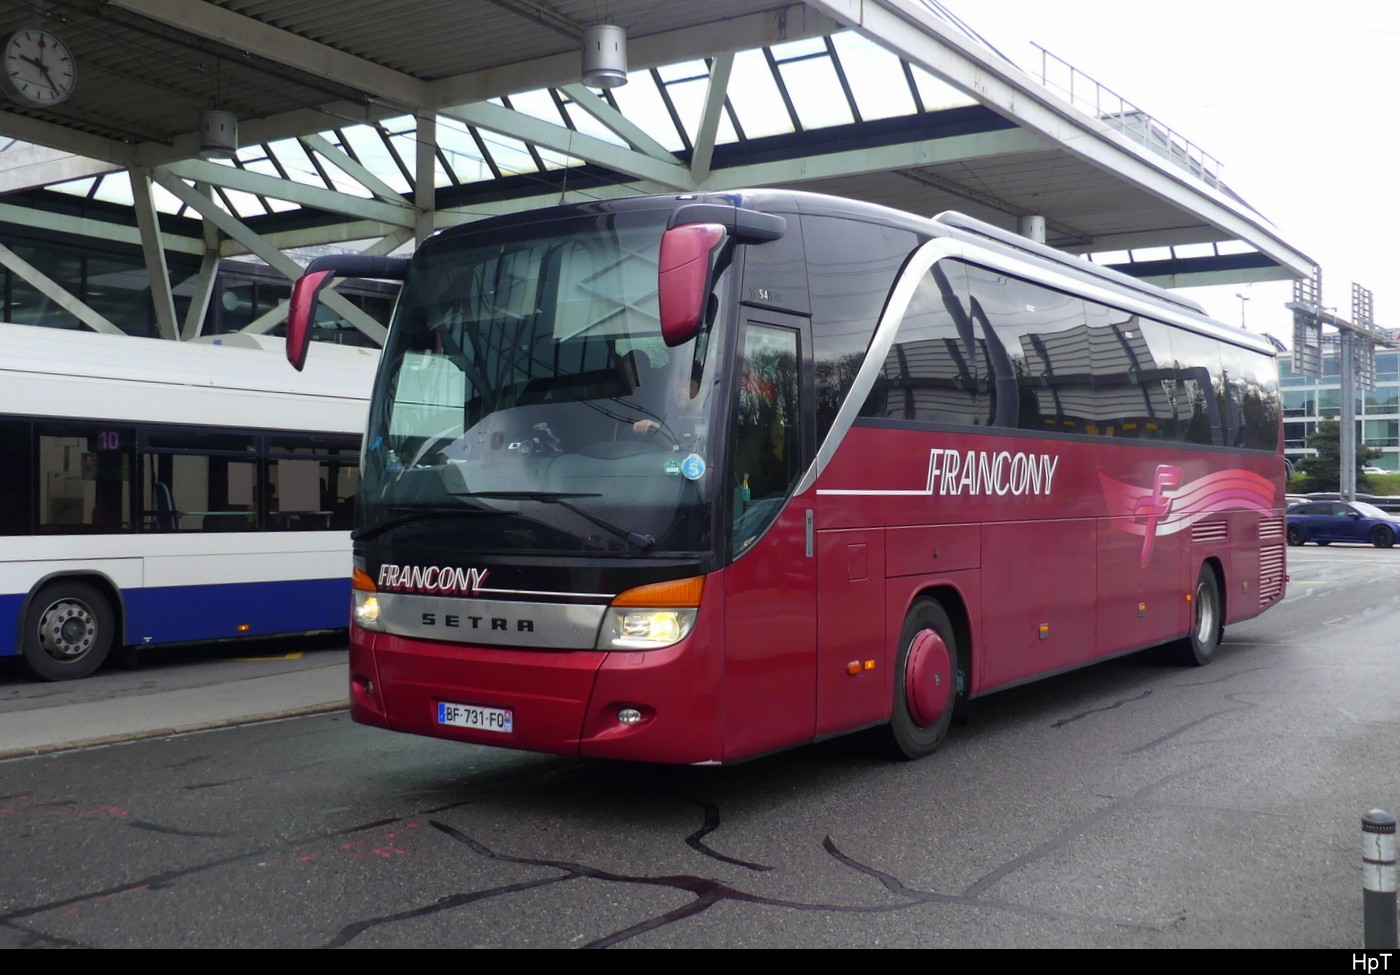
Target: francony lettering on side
<point x="953" y="473"/>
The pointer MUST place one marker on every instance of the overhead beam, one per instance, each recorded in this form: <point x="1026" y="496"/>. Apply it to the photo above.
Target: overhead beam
<point x="55" y="292"/>
<point x="284" y="189"/>
<point x="88" y="227"/>
<point x="909" y="29"/>
<point x="29" y="167"/>
<point x="342" y="161"/>
<point x="152" y="247"/>
<point x="788" y="23"/>
<point x="709" y="118"/>
<point x="625" y="129"/>
<point x="274" y="44"/>
<point x="930" y="152"/>
<point x="289" y="268"/>
<point x="585" y="147"/>
<point x="60" y="137"/>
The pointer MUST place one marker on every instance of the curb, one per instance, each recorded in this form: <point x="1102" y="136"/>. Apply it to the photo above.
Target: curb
<point x="117" y="739"/>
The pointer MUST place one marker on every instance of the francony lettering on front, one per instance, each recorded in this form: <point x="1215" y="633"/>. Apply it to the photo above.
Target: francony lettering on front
<point x="952" y="473"/>
<point x="432" y="578"/>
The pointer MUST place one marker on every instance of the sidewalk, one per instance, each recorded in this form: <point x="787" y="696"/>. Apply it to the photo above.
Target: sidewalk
<point x="40" y="718"/>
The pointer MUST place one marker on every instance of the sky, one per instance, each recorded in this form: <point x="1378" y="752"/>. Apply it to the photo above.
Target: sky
<point x="1295" y="101"/>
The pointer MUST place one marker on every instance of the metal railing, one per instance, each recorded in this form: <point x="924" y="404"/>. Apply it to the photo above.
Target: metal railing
<point x="1106" y="105"/>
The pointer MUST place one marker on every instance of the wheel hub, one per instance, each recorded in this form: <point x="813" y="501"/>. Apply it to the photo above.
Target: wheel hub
<point x="928" y="678"/>
<point x="67" y="630"/>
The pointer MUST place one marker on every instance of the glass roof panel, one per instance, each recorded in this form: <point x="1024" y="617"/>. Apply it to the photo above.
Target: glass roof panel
<point x="116" y="188"/>
<point x="556" y="160"/>
<point x="293" y="159"/>
<point x="165" y="201"/>
<point x="816" y="93"/>
<point x="374" y="156"/>
<point x="588" y="125"/>
<point x="797" y="49"/>
<point x="510" y="154"/>
<point x="262" y="165"/>
<point x="74" y="187"/>
<point x="875" y="76"/>
<point x="407" y="145"/>
<point x="537" y="104"/>
<point x="641" y="102"/>
<point x="689" y="99"/>
<point x="937" y="95"/>
<point x="282" y="206"/>
<point x="246" y="204"/>
<point x="754" y="95"/>
<point x="462" y="154"/>
<point x="682" y="69"/>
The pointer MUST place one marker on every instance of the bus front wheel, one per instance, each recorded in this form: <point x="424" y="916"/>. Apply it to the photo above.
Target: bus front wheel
<point x="68" y="630"/>
<point x="925" y="682"/>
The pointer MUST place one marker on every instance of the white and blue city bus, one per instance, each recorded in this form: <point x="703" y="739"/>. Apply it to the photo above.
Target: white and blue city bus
<point x="157" y="492"/>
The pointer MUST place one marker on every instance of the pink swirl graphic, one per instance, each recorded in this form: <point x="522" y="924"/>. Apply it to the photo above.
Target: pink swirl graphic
<point x="1167" y="508"/>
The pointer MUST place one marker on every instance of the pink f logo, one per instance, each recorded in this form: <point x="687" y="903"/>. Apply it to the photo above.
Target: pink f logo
<point x="1155" y="506"/>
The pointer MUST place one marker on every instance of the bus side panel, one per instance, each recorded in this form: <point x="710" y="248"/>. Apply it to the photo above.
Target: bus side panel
<point x="1036" y="574"/>
<point x="770" y="640"/>
<point x="850" y="630"/>
<point x="1242" y="571"/>
<point x="170" y="614"/>
<point x="1140" y="589"/>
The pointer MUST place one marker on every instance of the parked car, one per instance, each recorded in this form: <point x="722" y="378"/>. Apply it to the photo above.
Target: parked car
<point x="1373" y="469"/>
<point x="1389" y="504"/>
<point x="1325" y="522"/>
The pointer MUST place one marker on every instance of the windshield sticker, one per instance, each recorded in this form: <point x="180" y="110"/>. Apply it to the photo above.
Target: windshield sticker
<point x="1168" y="506"/>
<point x="433" y="578"/>
<point x="693" y="467"/>
<point x="673" y="467"/>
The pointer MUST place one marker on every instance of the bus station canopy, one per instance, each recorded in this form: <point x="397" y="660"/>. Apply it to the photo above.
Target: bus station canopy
<point x="370" y="123"/>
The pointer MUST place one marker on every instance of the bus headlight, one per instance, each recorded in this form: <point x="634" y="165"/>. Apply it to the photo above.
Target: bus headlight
<point x="366" y="612"/>
<point x="645" y="629"/>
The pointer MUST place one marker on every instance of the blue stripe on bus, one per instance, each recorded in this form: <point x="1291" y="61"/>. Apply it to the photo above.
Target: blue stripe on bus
<point x="172" y="614"/>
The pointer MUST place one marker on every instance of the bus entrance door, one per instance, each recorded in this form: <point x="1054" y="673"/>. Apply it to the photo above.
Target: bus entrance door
<point x="770" y="612"/>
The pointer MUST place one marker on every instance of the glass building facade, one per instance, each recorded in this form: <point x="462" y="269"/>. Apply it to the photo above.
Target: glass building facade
<point x="1377" y="411"/>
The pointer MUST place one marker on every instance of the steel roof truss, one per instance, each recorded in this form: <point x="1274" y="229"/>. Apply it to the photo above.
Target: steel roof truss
<point x="55" y="292"/>
<point x="154" y="249"/>
<point x="293" y="192"/>
<point x="534" y="132"/>
<point x="626" y="129"/>
<point x="715" y="99"/>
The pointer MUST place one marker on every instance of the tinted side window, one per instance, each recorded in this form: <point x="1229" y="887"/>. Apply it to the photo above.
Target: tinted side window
<point x="16" y="476"/>
<point x="1133" y="377"/>
<point x="938" y="370"/>
<point x="1046" y="344"/>
<point x="851" y="268"/>
<point x="1257" y="385"/>
<point x="1197" y="370"/>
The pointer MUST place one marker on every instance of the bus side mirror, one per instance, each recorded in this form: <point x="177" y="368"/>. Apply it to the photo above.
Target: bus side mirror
<point x="683" y="279"/>
<point x="301" y="313"/>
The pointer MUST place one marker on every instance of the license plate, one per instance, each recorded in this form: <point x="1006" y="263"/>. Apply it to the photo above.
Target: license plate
<point x="473" y="716"/>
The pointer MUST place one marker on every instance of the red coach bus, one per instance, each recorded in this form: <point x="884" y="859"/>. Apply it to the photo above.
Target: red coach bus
<point x="692" y="479"/>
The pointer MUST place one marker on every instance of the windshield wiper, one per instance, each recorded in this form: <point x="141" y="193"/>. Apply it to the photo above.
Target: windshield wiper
<point x="414" y="512"/>
<point x="561" y="499"/>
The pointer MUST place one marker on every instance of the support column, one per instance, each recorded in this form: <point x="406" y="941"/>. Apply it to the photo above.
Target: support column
<point x="1348" y="415"/>
<point x="709" y="118"/>
<point x="425" y="175"/>
<point x="206" y="279"/>
<point x="156" y="270"/>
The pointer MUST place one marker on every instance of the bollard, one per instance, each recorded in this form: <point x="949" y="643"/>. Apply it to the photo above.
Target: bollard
<point x="1378" y="878"/>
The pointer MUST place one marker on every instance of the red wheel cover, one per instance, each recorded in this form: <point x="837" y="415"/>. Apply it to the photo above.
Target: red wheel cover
<point x="928" y="678"/>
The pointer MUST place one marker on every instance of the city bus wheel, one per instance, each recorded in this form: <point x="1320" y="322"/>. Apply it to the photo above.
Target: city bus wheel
<point x="1382" y="537"/>
<point x="1208" y="623"/>
<point x="925" y="682"/>
<point x="68" y="630"/>
<point x="1296" y="535"/>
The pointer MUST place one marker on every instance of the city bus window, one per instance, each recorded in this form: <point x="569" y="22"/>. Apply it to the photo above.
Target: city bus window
<point x="16" y="476"/>
<point x="84" y="477"/>
<point x="200" y="481"/>
<point x="313" y="481"/>
<point x="767" y="443"/>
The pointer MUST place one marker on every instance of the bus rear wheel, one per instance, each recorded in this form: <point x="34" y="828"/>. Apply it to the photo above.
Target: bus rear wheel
<point x="1207" y="623"/>
<point x="68" y="630"/>
<point x="925" y="682"/>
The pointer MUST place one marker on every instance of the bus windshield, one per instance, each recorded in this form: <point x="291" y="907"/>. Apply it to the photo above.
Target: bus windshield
<point x="526" y="383"/>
